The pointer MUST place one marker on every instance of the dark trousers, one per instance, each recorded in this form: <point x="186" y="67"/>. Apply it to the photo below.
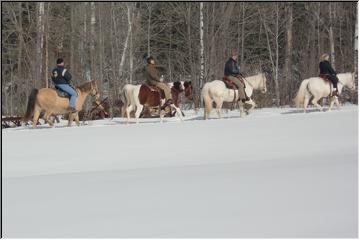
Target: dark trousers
<point x="334" y="79"/>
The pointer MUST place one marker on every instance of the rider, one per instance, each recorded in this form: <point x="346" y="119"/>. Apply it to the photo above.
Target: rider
<point x="152" y="78"/>
<point x="61" y="78"/>
<point x="232" y="72"/>
<point x="329" y="72"/>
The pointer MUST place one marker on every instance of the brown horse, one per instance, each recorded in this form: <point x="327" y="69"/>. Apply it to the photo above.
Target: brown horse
<point x="188" y="90"/>
<point x="47" y="100"/>
<point x="155" y="96"/>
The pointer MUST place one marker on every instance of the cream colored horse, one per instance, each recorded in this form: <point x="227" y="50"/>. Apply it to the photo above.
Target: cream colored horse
<point x="318" y="88"/>
<point x="217" y="92"/>
<point x="47" y="100"/>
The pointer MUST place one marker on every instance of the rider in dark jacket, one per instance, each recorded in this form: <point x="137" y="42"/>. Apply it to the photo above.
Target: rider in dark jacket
<point x="61" y="78"/>
<point x="232" y="72"/>
<point x="328" y="71"/>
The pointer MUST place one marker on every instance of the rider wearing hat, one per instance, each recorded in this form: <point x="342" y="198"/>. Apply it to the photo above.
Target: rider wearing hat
<point x="61" y="78"/>
<point x="152" y="78"/>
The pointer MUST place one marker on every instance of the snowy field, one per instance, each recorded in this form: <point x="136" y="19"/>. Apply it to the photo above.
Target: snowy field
<point x="276" y="173"/>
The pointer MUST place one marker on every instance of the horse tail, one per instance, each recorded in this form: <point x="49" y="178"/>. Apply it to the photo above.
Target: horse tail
<point x="124" y="101"/>
<point x="300" y="96"/>
<point x="205" y="95"/>
<point x="31" y="104"/>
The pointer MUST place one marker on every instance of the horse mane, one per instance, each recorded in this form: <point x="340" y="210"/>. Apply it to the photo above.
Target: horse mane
<point x="346" y="73"/>
<point x="85" y="87"/>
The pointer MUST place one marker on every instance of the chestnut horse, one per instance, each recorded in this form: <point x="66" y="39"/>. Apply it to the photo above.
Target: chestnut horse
<point x="130" y="96"/>
<point x="47" y="100"/>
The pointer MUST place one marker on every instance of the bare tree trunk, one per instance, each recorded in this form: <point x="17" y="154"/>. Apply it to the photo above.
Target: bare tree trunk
<point x="92" y="40"/>
<point x="113" y="49"/>
<point x="131" y="54"/>
<point x="212" y="44"/>
<point x="39" y="42"/>
<point x="356" y="45"/>
<point x="331" y="36"/>
<point x="11" y="92"/>
<point x="72" y="20"/>
<point x="318" y="32"/>
<point x="101" y="49"/>
<point x="276" y="61"/>
<point x="148" y="29"/>
<point x="122" y="62"/>
<point x="201" y="45"/>
<point x="277" y="87"/>
<point x="46" y="48"/>
<point x="242" y="37"/>
<point x="169" y="56"/>
<point x="288" y="53"/>
<point x="19" y="75"/>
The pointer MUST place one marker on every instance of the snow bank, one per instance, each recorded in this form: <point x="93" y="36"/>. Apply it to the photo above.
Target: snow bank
<point x="275" y="173"/>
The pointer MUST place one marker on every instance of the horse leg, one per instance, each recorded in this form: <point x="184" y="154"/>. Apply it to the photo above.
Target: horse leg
<point x="178" y="112"/>
<point x="71" y="116"/>
<point x="241" y="108"/>
<point x="315" y="102"/>
<point x="36" y="116"/>
<point x="47" y="119"/>
<point x="128" y="111"/>
<point x="306" y="101"/>
<point x="139" y="109"/>
<point x="337" y="103"/>
<point x="76" y="116"/>
<point x="219" y="103"/>
<point x="253" y="105"/>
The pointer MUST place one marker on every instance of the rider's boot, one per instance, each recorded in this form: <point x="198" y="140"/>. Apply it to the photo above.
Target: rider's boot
<point x="71" y="109"/>
<point x="335" y="93"/>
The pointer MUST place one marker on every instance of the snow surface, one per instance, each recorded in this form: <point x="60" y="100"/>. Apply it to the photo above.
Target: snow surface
<point x="275" y="173"/>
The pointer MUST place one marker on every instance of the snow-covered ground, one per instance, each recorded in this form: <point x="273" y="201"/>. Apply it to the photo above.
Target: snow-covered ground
<point x="276" y="173"/>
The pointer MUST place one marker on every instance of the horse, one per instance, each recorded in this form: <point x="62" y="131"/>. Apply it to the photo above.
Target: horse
<point x="133" y="101"/>
<point x="216" y="91"/>
<point x="47" y="100"/>
<point x="318" y="88"/>
<point x="186" y="96"/>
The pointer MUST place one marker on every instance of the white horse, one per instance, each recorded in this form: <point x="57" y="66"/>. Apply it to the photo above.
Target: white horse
<point x="129" y="95"/>
<point x="217" y="92"/>
<point x="318" y="88"/>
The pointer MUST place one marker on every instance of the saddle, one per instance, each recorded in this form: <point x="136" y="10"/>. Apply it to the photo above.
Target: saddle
<point x="327" y="80"/>
<point x="324" y="77"/>
<point x="155" y="89"/>
<point x="61" y="93"/>
<point x="230" y="84"/>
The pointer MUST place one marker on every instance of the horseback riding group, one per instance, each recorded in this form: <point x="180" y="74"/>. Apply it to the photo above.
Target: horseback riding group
<point x="155" y="93"/>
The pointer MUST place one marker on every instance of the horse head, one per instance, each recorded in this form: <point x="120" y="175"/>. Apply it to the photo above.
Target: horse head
<point x="348" y="80"/>
<point x="188" y="90"/>
<point x="178" y="86"/>
<point x="264" y="77"/>
<point x="352" y="84"/>
<point x="90" y="88"/>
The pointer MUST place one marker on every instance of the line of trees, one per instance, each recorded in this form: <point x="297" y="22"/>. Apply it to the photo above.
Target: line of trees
<point x="106" y="41"/>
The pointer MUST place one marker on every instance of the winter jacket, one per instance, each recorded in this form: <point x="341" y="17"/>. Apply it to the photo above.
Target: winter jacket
<point x="231" y="68"/>
<point x="325" y="68"/>
<point x="151" y="73"/>
<point x="60" y="75"/>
